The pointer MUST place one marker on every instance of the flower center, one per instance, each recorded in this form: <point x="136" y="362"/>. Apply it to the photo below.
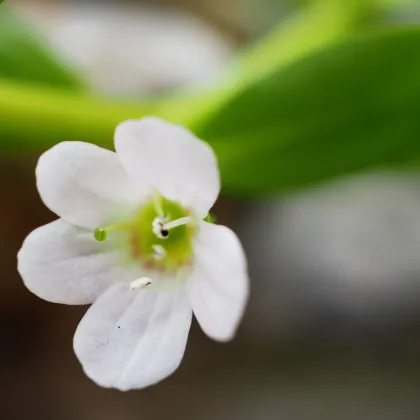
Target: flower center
<point x="160" y="237"/>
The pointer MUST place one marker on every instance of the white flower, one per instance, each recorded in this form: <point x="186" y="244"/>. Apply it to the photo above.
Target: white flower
<point x="131" y="240"/>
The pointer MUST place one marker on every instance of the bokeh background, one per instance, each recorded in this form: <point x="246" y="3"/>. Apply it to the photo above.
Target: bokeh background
<point x="332" y="329"/>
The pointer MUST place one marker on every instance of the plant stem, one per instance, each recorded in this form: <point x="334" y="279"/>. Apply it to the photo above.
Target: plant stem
<point x="33" y="118"/>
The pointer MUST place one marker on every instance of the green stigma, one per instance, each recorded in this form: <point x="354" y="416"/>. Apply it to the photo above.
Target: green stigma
<point x="100" y="234"/>
<point x="210" y="218"/>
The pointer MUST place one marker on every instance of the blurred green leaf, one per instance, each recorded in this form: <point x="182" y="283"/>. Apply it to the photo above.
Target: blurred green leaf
<point x="302" y="118"/>
<point x="352" y="106"/>
<point x="33" y="117"/>
<point x="312" y="28"/>
<point x="24" y="55"/>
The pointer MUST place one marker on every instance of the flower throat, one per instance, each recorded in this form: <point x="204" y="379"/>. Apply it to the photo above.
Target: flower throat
<point x="160" y="236"/>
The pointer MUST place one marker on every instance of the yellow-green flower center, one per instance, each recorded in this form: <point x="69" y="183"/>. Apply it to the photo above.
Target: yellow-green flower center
<point x="159" y="237"/>
<point x="170" y="250"/>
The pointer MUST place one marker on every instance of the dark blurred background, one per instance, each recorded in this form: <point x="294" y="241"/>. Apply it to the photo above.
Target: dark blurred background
<point x="332" y="329"/>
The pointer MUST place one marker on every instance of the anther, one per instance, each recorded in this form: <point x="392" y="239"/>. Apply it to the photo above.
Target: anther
<point x="161" y="228"/>
<point x="158" y="228"/>
<point x="140" y="283"/>
<point x="159" y="252"/>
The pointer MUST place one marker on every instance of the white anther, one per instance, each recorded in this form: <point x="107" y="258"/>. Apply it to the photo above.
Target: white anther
<point x="140" y="283"/>
<point x="159" y="252"/>
<point x="161" y="227"/>
<point x="158" y="228"/>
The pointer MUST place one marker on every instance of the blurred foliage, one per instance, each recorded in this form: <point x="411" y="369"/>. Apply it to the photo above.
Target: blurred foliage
<point x="308" y="102"/>
<point x="24" y="56"/>
<point x="348" y="107"/>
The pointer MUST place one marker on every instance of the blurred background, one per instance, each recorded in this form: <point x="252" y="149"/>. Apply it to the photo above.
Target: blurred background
<point x="332" y="328"/>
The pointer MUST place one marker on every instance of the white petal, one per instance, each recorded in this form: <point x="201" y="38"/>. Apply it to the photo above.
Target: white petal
<point x="84" y="184"/>
<point x="171" y="159"/>
<point x="64" y="264"/>
<point x="219" y="286"/>
<point x="130" y="339"/>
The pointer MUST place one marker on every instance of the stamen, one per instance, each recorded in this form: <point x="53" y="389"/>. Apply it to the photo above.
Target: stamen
<point x="158" y="228"/>
<point x="157" y="202"/>
<point x="101" y="234"/>
<point x="159" y="252"/>
<point x="140" y="283"/>
<point x="178" y="222"/>
<point x="161" y="228"/>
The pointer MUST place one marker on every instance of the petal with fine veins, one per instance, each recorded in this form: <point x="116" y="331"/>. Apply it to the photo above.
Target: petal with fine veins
<point x="85" y="184"/>
<point x="64" y="264"/>
<point x="171" y="159"/>
<point x="132" y="339"/>
<point x="218" y="287"/>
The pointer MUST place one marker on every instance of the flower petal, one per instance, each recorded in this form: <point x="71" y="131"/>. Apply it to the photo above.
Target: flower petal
<point x="132" y="339"/>
<point x="84" y="184"/>
<point x="64" y="264"/>
<point x="171" y="159"/>
<point x="219" y="286"/>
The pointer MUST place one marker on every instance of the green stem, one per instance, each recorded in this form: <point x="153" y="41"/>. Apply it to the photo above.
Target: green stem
<point x="34" y="118"/>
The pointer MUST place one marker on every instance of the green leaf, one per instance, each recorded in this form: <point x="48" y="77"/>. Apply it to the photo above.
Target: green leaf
<point x="353" y="106"/>
<point x="25" y="56"/>
<point x="312" y="28"/>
